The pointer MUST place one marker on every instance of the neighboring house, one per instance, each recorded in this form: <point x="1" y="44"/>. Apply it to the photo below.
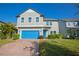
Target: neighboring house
<point x="32" y="25"/>
<point x="72" y="24"/>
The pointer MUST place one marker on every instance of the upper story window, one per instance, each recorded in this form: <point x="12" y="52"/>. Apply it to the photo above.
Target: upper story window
<point x="68" y="23"/>
<point x="22" y="20"/>
<point x="50" y="23"/>
<point x="75" y="23"/>
<point x="47" y="23"/>
<point x="29" y="19"/>
<point x="37" y="19"/>
<point x="78" y="23"/>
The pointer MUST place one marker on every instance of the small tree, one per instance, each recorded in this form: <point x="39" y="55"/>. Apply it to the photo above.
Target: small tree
<point x="7" y="30"/>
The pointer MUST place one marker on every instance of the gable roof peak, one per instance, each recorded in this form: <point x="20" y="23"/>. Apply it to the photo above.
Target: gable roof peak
<point x="30" y="10"/>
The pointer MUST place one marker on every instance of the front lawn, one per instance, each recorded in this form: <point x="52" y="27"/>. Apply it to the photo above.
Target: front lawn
<point x="5" y="41"/>
<point x="57" y="47"/>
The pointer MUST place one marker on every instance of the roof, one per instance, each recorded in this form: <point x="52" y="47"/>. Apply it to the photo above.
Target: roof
<point x="67" y="19"/>
<point x="71" y="19"/>
<point x="30" y="9"/>
<point x="51" y="19"/>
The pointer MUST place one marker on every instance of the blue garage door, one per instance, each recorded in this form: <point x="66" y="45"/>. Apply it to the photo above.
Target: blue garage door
<point x="30" y="34"/>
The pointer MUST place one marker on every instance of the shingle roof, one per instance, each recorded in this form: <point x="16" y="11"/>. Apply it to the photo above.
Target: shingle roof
<point x="51" y="19"/>
<point x="71" y="19"/>
<point x="66" y="19"/>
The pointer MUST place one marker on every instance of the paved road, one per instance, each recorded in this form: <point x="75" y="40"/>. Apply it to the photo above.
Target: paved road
<point x="20" y="48"/>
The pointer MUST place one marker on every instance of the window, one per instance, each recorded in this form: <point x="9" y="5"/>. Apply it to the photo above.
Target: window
<point x="29" y="19"/>
<point x="68" y="23"/>
<point x="78" y="23"/>
<point x="75" y="23"/>
<point x="37" y="19"/>
<point x="22" y="19"/>
<point x="47" y="23"/>
<point x="53" y="32"/>
<point x="50" y="23"/>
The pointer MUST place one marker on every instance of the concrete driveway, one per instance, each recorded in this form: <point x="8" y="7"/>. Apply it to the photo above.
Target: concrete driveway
<point x="20" y="48"/>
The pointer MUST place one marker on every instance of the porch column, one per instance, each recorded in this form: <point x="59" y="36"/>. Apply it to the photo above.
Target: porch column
<point x="41" y="32"/>
<point x="46" y="33"/>
<point x="19" y="32"/>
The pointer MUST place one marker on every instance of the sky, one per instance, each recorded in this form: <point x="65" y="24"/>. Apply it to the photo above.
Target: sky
<point x="9" y="11"/>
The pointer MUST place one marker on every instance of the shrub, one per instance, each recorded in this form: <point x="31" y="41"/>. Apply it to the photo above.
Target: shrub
<point x="60" y="36"/>
<point x="72" y="33"/>
<point x="15" y="36"/>
<point x="55" y="36"/>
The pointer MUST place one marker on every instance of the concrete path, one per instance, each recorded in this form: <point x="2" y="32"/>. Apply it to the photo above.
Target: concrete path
<point x="20" y="48"/>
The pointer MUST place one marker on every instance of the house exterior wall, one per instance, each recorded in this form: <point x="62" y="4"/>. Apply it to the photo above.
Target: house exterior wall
<point x="54" y="26"/>
<point x="62" y="28"/>
<point x="33" y="15"/>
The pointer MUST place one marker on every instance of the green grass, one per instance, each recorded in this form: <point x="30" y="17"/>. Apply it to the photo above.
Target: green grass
<point x="5" y="41"/>
<point x="57" y="47"/>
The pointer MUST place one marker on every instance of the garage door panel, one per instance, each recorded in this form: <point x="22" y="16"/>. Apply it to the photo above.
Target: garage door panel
<point x="30" y="34"/>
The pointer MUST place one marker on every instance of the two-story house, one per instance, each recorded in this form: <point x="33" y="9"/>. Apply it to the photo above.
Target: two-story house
<point x="32" y="25"/>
